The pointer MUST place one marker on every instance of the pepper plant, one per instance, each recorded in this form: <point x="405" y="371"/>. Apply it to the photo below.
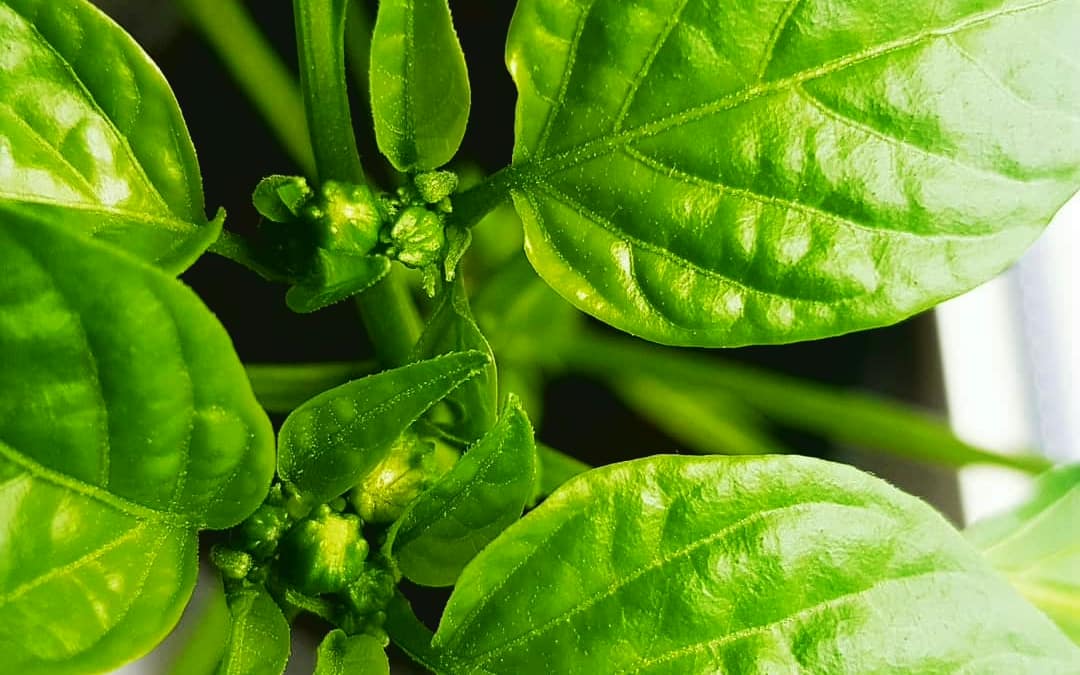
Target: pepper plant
<point x="692" y="173"/>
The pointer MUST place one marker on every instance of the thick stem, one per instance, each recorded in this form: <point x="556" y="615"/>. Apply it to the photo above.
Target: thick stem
<point x="847" y="417"/>
<point x="473" y="204"/>
<point x="391" y="320"/>
<point x="389" y="315"/>
<point x="257" y="69"/>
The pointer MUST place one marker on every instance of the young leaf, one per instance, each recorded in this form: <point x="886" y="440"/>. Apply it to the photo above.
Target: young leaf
<point x="259" y="640"/>
<point x="469" y="506"/>
<point x="718" y="564"/>
<point x="92" y="137"/>
<point x="127" y="425"/>
<point x="419" y="84"/>
<point x="340" y="654"/>
<point x="1036" y="547"/>
<point x="452" y="329"/>
<point x="775" y="171"/>
<point x="327" y="444"/>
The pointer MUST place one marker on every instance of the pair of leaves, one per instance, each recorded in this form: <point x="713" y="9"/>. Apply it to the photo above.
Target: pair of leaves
<point x="92" y="137"/>
<point x="485" y="492"/>
<point x="786" y="170"/>
<point x="1037" y="549"/>
<point x="126" y="426"/>
<point x="686" y="565"/>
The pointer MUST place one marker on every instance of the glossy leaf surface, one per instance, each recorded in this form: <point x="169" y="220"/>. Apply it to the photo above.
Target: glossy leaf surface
<point x="774" y="564"/>
<point x="468" y="507"/>
<point x="91" y="134"/>
<point x="327" y="444"/>
<point x="340" y="654"/>
<point x="775" y="171"/>
<point x="451" y="328"/>
<point x="126" y="425"/>
<point x="259" y="638"/>
<point x="419" y="84"/>
<point x="1037" y="547"/>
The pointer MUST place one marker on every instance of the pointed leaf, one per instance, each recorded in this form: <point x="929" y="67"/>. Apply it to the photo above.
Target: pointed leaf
<point x="259" y="639"/>
<point x="1037" y="548"/>
<point x="126" y="425"/>
<point x="327" y="444"/>
<point x="92" y="135"/>
<point x="340" y="654"/>
<point x="452" y="329"/>
<point x="717" y="564"/>
<point x="419" y="84"/>
<point x="765" y="172"/>
<point x="469" y="506"/>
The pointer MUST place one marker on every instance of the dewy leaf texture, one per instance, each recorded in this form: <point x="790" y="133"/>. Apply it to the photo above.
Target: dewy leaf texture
<point x="91" y="134"/>
<point x="126" y="425"/>
<point x="467" y="508"/>
<point x="739" y="565"/>
<point x="1036" y="546"/>
<point x="722" y="174"/>
<point x="340" y="654"/>
<point x="327" y="444"/>
<point x="258" y="641"/>
<point x="420" y="94"/>
<point x="452" y="328"/>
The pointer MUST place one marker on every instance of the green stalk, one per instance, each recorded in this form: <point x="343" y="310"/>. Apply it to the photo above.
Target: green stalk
<point x="473" y="204"/>
<point x="387" y="310"/>
<point x="847" y="417"/>
<point x="257" y="69"/>
<point x="411" y="635"/>
<point x="282" y="387"/>
<point x="320" y="42"/>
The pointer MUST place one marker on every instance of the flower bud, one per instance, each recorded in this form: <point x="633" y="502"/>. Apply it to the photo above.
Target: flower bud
<point x="418" y="237"/>
<point x="323" y="553"/>
<point x="396" y="481"/>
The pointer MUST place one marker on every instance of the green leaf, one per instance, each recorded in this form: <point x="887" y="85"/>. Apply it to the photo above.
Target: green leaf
<point x="91" y="135"/>
<point x="1036" y="546"/>
<point x="340" y="654"/>
<point x="419" y="84"/>
<point x="126" y="425"/>
<point x="451" y="328"/>
<point x="469" y="506"/>
<point x="775" y="171"/>
<point x="327" y="444"/>
<point x="739" y="565"/>
<point x="204" y="632"/>
<point x="259" y="639"/>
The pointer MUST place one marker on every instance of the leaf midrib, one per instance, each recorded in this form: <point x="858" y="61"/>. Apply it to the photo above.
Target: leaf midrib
<point x="110" y="499"/>
<point x="136" y="161"/>
<point x="657" y="563"/>
<point x="14" y="199"/>
<point x="539" y="166"/>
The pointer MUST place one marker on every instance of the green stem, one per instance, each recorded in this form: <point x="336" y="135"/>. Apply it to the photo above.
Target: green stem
<point x="281" y="388"/>
<point x="847" y="417"/>
<point x="389" y="315"/>
<point x="391" y="320"/>
<point x="320" y="42"/>
<point x="259" y="71"/>
<point x="473" y="204"/>
<point x="238" y="249"/>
